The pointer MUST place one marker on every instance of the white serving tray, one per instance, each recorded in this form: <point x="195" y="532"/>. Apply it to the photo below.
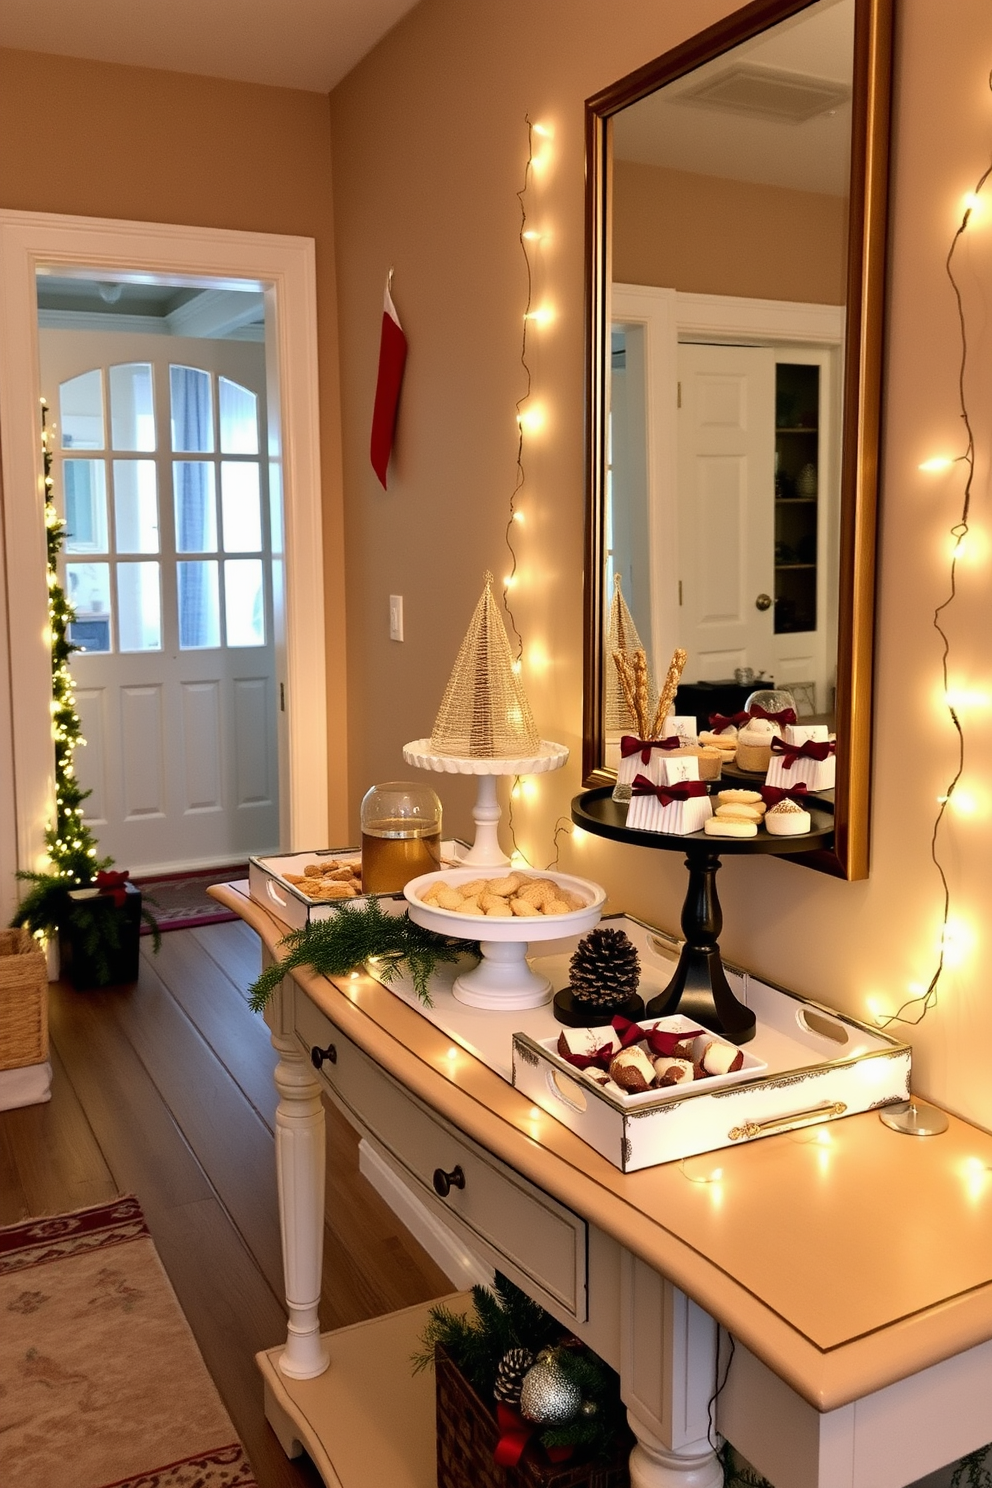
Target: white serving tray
<point x="268" y="886"/>
<point x="821" y="1065"/>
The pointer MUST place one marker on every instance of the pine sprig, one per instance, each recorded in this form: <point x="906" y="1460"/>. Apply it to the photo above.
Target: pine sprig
<point x="502" y="1319"/>
<point x="353" y="935"/>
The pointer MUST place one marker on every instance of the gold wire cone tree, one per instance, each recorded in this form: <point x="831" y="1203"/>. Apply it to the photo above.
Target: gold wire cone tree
<point x="484" y="713"/>
<point x="622" y="636"/>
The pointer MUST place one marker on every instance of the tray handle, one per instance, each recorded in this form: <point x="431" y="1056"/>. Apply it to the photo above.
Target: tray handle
<point x="574" y="1096"/>
<point x="808" y="1117"/>
<point x="816" y="1021"/>
<point x="276" y="898"/>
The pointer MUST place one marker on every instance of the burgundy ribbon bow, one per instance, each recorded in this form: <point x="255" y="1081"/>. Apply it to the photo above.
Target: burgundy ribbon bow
<point x="514" y="1434"/>
<point x="771" y="794"/>
<point x="629" y="745"/>
<point x="721" y="721"/>
<point x="782" y="717"/>
<point x="660" y="1041"/>
<point x="598" y="1059"/>
<point x="812" y="749"/>
<point x="113" y="883"/>
<point x="680" y="791"/>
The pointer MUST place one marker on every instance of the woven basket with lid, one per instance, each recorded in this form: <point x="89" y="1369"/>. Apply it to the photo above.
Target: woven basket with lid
<point x="23" y="1000"/>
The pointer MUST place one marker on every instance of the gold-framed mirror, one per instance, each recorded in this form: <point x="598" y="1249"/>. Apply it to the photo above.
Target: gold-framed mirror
<point x="736" y="222"/>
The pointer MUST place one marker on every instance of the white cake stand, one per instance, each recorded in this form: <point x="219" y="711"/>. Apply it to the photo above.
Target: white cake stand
<point x="503" y="980"/>
<point x="485" y="852"/>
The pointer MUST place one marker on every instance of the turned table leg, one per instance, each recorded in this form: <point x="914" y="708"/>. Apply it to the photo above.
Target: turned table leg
<point x="300" y="1142"/>
<point x="667" y="1374"/>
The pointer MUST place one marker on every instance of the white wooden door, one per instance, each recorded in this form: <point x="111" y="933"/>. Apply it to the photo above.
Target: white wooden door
<point x="726" y="482"/>
<point x="159" y="470"/>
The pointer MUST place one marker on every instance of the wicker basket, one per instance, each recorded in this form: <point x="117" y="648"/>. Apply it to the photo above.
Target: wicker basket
<point x="466" y="1438"/>
<point x="23" y="1000"/>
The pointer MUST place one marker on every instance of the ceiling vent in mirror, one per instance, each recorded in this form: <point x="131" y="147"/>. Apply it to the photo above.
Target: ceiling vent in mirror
<point x="765" y="93"/>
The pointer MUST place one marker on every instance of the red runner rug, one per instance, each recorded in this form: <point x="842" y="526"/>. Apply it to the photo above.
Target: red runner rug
<point x="101" y="1382"/>
<point x="179" y="901"/>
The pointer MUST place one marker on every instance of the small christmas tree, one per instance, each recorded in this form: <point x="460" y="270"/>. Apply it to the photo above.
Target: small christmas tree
<point x="484" y="713"/>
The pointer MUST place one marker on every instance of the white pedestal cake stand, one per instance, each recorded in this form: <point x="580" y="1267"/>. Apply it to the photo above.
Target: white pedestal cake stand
<point x="486" y="852"/>
<point x="503" y="980"/>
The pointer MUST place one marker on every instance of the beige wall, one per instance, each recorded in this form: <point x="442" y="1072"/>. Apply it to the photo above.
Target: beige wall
<point x="429" y="144"/>
<point x="104" y="141"/>
<point x="709" y="235"/>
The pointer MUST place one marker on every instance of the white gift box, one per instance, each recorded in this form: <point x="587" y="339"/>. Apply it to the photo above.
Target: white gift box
<point x="678" y="818"/>
<point x="681" y="726"/>
<point x="801" y="733"/>
<point x="655" y="770"/>
<point x="816" y="775"/>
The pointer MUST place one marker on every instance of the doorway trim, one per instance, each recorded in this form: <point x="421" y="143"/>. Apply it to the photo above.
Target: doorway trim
<point x="283" y="268"/>
<point x="668" y="317"/>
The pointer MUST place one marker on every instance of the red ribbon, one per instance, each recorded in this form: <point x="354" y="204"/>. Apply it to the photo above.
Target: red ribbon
<point x="721" y="721"/>
<point x="680" y="791"/>
<point x="771" y="794"/>
<point x="629" y="745"/>
<point x="812" y="749"/>
<point x="514" y="1434"/>
<point x="113" y="883"/>
<point x="660" y="1041"/>
<point x="598" y="1059"/>
<point x="782" y="717"/>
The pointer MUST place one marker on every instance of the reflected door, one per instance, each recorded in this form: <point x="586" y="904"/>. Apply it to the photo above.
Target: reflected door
<point x="158" y="470"/>
<point x="726" y="476"/>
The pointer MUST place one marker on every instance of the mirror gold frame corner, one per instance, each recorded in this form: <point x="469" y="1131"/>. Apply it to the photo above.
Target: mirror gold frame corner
<point x="866" y="253"/>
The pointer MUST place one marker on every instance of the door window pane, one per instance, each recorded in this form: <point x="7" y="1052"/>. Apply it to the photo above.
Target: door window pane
<point x="81" y="411"/>
<point x="238" y="419"/>
<point x="132" y="412"/>
<point x="241" y="506"/>
<point x="135" y="506"/>
<point x="243" y="611"/>
<point x="139" y="607"/>
<point x="85" y="485"/>
<point x="199" y="607"/>
<point x="192" y="410"/>
<point x="87" y="588"/>
<point x="196" y="506"/>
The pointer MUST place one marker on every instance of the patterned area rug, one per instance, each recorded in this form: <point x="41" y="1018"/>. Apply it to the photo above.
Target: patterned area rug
<point x="101" y="1382"/>
<point x="182" y="901"/>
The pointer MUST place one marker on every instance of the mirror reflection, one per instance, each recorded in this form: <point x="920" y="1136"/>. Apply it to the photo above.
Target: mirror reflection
<point x="728" y="246"/>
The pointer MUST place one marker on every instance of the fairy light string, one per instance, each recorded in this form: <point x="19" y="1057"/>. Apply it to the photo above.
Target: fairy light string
<point x="525" y="235"/>
<point x="959" y="532"/>
<point x="71" y="845"/>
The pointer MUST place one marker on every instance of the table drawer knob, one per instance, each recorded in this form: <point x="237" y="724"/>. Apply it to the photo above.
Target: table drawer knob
<point x="317" y="1056"/>
<point x="445" y="1182"/>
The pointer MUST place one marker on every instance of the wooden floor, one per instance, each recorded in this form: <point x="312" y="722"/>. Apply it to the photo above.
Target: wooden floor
<point x="164" y="1090"/>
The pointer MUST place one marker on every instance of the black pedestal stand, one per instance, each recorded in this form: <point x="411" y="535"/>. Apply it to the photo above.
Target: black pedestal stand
<point x="699" y="989"/>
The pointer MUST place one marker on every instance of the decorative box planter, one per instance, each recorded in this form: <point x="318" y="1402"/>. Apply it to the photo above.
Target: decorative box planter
<point x="467" y="1435"/>
<point x="23" y="1001"/>
<point x="119" y="944"/>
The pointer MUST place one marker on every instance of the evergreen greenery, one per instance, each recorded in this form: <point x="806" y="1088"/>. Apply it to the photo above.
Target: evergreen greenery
<point x="506" y="1318"/>
<point x="72" y="848"/>
<point x="354" y="934"/>
<point x="973" y="1471"/>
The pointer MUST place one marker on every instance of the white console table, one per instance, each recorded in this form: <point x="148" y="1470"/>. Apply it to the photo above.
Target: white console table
<point x="851" y="1266"/>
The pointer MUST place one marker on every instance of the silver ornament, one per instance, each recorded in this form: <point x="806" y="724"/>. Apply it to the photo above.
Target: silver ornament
<point x="547" y="1396"/>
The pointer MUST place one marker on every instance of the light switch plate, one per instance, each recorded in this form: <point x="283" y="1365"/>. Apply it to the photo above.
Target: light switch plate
<point x="396" y="617"/>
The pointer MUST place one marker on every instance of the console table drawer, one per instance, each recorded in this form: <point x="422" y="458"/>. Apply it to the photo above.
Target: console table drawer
<point x="536" y="1234"/>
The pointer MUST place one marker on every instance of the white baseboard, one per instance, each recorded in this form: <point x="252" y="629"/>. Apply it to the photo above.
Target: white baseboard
<point x="460" y="1264"/>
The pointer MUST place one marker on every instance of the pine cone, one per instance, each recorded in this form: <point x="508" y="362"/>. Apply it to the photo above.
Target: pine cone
<point x="510" y="1375"/>
<point x="604" y="969"/>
